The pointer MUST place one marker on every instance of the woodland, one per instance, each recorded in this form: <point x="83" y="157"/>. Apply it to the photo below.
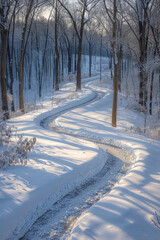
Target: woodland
<point x="79" y="119"/>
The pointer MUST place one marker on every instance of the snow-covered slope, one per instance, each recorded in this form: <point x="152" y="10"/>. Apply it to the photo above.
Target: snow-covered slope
<point x="59" y="163"/>
<point x="127" y="211"/>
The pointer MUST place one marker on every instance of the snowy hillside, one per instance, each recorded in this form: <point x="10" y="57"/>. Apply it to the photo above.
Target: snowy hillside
<point x="61" y="162"/>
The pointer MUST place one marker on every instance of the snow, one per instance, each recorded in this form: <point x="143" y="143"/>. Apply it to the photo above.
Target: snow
<point x="59" y="163"/>
<point x="126" y="212"/>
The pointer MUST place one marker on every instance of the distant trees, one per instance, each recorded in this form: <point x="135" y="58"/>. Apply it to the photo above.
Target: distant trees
<point x="91" y="33"/>
<point x="141" y="17"/>
<point x="43" y="41"/>
<point x="34" y="46"/>
<point x="83" y="10"/>
<point x="138" y="10"/>
<point x="139" y="21"/>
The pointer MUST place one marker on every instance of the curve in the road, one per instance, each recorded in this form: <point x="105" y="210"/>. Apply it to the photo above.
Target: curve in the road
<point x="60" y="218"/>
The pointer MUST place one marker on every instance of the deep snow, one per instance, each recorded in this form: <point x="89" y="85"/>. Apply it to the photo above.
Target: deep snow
<point x="59" y="163"/>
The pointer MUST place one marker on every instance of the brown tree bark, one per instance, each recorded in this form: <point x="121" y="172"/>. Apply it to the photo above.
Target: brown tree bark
<point x="3" y="73"/>
<point x="21" y="62"/>
<point x="143" y="43"/>
<point x="90" y="59"/>
<point x="80" y="38"/>
<point x="113" y="19"/>
<point x="78" y="85"/>
<point x="10" y="50"/>
<point x="56" y="47"/>
<point x="4" y="8"/>
<point x="115" y="62"/>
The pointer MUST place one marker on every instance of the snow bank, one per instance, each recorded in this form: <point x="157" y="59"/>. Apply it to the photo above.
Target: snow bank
<point x="57" y="165"/>
<point x="126" y="212"/>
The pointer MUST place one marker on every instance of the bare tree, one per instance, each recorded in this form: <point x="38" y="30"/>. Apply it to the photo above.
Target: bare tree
<point x="90" y="33"/>
<point x="21" y="62"/>
<point x="139" y="18"/>
<point x="4" y="9"/>
<point x="112" y="14"/>
<point x="31" y="7"/>
<point x="10" y="49"/>
<point x="85" y="7"/>
<point x="56" y="33"/>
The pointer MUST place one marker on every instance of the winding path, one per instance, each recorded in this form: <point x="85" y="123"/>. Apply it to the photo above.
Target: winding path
<point x="59" y="219"/>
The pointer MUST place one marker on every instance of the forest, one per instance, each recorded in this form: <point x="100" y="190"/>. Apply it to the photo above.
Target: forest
<point x="79" y="119"/>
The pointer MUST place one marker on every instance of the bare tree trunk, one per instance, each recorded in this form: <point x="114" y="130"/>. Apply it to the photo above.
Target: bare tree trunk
<point x="80" y="39"/>
<point x="3" y="73"/>
<point x="38" y="70"/>
<point x="115" y="95"/>
<point x="69" y="53"/>
<point x="90" y="59"/>
<point x="120" y="61"/>
<point x="151" y="93"/>
<point x="56" y="47"/>
<point x="21" y="62"/>
<point x="31" y="62"/>
<point x="62" y="67"/>
<point x="10" y="58"/>
<point x="42" y="69"/>
<point x="75" y="55"/>
<point x="78" y="86"/>
<point x="69" y="60"/>
<point x="143" y="41"/>
<point x="11" y="55"/>
<point x="115" y="62"/>
<point x="101" y="58"/>
<point x="54" y="60"/>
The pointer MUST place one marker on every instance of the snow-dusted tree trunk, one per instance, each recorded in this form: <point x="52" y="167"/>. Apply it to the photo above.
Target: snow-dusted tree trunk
<point x="21" y="62"/>
<point x="143" y="41"/>
<point x="115" y="62"/>
<point x="56" y="45"/>
<point x="10" y="51"/>
<point x="4" y="7"/>
<point x="113" y="18"/>
<point x="89" y="34"/>
<point x="68" y="43"/>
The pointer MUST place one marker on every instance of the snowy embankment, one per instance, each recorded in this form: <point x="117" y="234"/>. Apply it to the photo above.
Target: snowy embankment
<point x="61" y="162"/>
<point x="126" y="212"/>
<point x="56" y="166"/>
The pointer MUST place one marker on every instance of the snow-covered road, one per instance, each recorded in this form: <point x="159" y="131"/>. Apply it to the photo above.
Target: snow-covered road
<point x="56" y="167"/>
<point x="61" y="163"/>
<point x="59" y="219"/>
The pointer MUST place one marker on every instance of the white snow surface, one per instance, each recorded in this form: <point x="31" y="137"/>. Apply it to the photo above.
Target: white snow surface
<point x="59" y="163"/>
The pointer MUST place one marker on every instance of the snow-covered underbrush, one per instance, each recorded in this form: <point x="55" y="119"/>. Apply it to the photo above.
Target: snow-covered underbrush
<point x="13" y="148"/>
<point x="149" y="132"/>
<point x="151" y="126"/>
<point x="27" y="108"/>
<point x="134" y="106"/>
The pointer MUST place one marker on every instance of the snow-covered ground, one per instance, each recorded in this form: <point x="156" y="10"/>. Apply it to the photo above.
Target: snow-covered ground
<point x="127" y="211"/>
<point x="60" y="162"/>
